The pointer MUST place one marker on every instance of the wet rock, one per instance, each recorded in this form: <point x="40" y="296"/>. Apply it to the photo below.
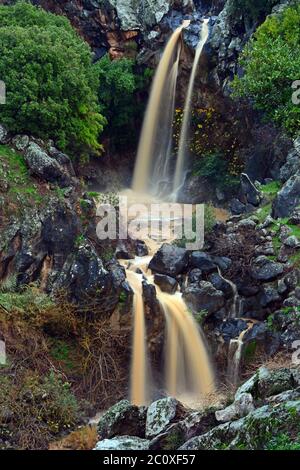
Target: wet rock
<point x="42" y="165"/>
<point x="264" y="269"/>
<point x="231" y="329"/>
<point x="194" y="276"/>
<point x="170" y="260"/>
<point x="240" y="408"/>
<point x="287" y="199"/>
<point x="141" y="248"/>
<point x="202" y="261"/>
<point x="161" y="414"/>
<point x="204" y="297"/>
<point x="166" y="283"/>
<point x="269" y="295"/>
<point x="83" y="277"/>
<point x="123" y="443"/>
<point x="221" y="284"/>
<point x="123" y="251"/>
<point x="122" y="419"/>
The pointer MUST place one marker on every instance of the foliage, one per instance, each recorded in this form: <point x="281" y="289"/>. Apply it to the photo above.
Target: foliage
<point x="214" y="167"/>
<point x="40" y="408"/>
<point x="50" y="80"/>
<point x="214" y="142"/>
<point x="283" y="441"/>
<point x="255" y="9"/>
<point x="120" y="86"/>
<point x="271" y="63"/>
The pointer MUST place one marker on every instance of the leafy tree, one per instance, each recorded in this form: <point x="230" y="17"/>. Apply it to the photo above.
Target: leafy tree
<point x="51" y="82"/>
<point x="271" y="63"/>
<point x="120" y="87"/>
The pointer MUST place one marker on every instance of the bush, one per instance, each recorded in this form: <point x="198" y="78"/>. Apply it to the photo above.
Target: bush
<point x="215" y="168"/>
<point x="50" y="80"/>
<point x="120" y="85"/>
<point x="271" y="63"/>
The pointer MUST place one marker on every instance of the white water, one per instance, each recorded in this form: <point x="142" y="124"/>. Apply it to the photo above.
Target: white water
<point x="182" y="150"/>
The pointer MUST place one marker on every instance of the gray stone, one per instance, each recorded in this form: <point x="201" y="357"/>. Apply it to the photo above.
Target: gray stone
<point x="203" y="261"/>
<point x="122" y="419"/>
<point x="161" y="414"/>
<point x="240" y="408"/>
<point x="166" y="283"/>
<point x="21" y="142"/>
<point x="264" y="269"/>
<point x="123" y="443"/>
<point x="292" y="165"/>
<point x="204" y="297"/>
<point x="288" y="198"/>
<point x="170" y="260"/>
<point x="291" y="242"/>
<point x="3" y="135"/>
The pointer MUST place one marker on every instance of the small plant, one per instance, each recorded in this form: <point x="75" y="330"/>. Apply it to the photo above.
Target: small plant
<point x="200" y="317"/>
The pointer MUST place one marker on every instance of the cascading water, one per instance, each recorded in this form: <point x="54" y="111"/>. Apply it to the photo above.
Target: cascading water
<point x="182" y="150"/>
<point x="188" y="369"/>
<point x="154" y="146"/>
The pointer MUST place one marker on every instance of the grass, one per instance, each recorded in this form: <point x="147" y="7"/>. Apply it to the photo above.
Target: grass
<point x="22" y="191"/>
<point x="271" y="189"/>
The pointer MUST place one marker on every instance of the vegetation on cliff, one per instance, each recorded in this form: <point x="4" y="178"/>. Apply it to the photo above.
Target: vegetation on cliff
<point x="271" y="64"/>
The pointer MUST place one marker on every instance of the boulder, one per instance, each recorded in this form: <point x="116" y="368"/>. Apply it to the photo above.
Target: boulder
<point x="170" y="260"/>
<point x="194" y="276"/>
<point x="251" y="432"/>
<point x="221" y="284"/>
<point x="161" y="414"/>
<point x="203" y="261"/>
<point x="20" y="142"/>
<point x="141" y="248"/>
<point x="288" y="198"/>
<point x="204" y="297"/>
<point x="263" y="269"/>
<point x="166" y="283"/>
<point x="123" y="443"/>
<point x="43" y="166"/>
<point x="249" y="192"/>
<point x="292" y="165"/>
<point x="267" y="382"/>
<point x="239" y="408"/>
<point x="122" y="419"/>
<point x="232" y="328"/>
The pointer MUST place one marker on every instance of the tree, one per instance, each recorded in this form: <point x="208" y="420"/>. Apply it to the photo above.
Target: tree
<point x="119" y="88"/>
<point x="50" y="80"/>
<point x="271" y="63"/>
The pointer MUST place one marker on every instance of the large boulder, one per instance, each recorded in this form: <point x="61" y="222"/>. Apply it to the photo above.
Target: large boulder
<point x="203" y="261"/>
<point x="166" y="283"/>
<point x="170" y="260"/>
<point x="264" y="269"/>
<point x="204" y="297"/>
<point x="288" y="198"/>
<point x="241" y="407"/>
<point x="267" y="382"/>
<point x="123" y="419"/>
<point x="123" y="443"/>
<point x="249" y="193"/>
<point x="45" y="167"/>
<point x="292" y="165"/>
<point x="252" y="432"/>
<point x="161" y="414"/>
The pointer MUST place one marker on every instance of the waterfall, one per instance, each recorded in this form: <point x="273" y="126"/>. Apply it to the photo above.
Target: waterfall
<point x="139" y="378"/>
<point x="236" y="303"/>
<point x="188" y="371"/>
<point x="182" y="150"/>
<point x="154" y="146"/>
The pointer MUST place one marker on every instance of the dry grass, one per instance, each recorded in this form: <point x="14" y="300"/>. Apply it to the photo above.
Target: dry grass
<point x="83" y="439"/>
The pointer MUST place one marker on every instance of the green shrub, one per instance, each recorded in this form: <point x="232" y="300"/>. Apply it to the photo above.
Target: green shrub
<point x="50" y="80"/>
<point x="215" y="168"/>
<point x="271" y="63"/>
